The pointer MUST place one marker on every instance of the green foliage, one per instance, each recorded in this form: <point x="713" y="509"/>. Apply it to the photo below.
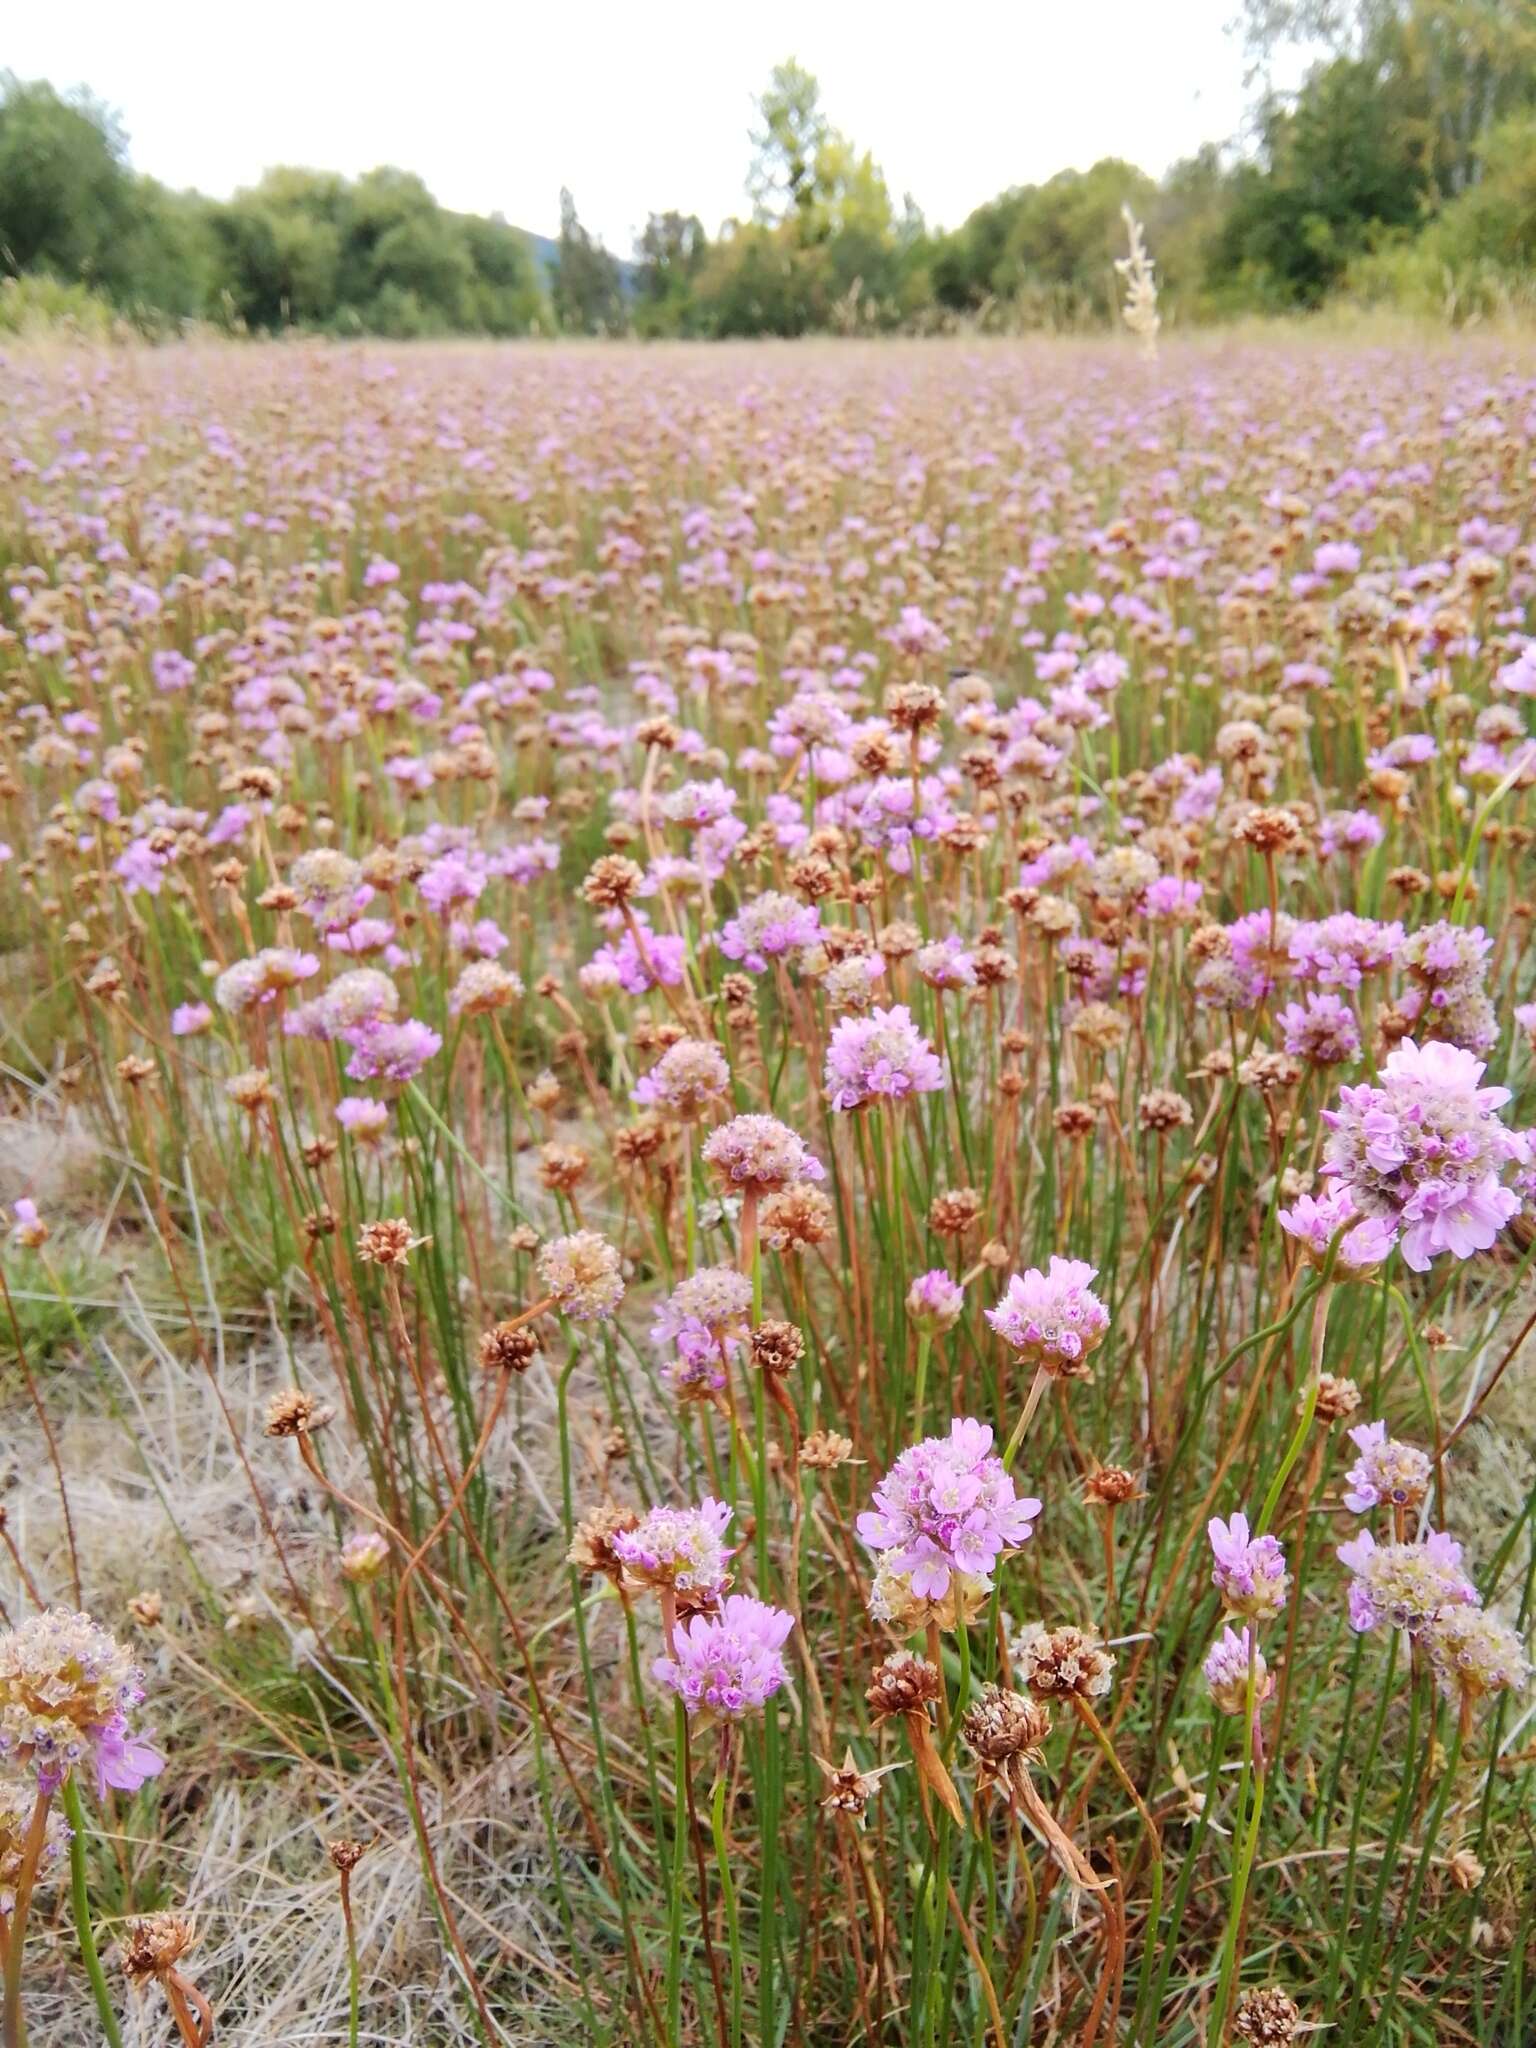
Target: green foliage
<point x="1399" y="174"/>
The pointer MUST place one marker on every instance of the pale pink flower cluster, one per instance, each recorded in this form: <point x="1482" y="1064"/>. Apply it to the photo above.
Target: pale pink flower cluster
<point x="947" y="1506"/>
<point x="1053" y="1319"/>
<point x="1424" y="1152"/>
<point x="1249" y="1571"/>
<point x="881" y="1057"/>
<point x="681" y="1548"/>
<point x="730" y="1663"/>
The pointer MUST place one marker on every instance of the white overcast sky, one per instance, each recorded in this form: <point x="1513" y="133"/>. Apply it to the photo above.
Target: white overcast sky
<point x="638" y="106"/>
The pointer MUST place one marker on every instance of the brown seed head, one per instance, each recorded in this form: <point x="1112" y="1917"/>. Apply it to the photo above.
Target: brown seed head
<point x="154" y="1945"/>
<point x="1266" y="2018"/>
<point x="506" y="1348"/>
<point x="387" y="1242"/>
<point x="346" y="1854"/>
<point x="903" y="1684"/>
<point x="296" y="1413"/>
<point x="824" y="1448"/>
<point x="1003" y="1725"/>
<point x="776" y="1346"/>
<point x="1111" y="1486"/>
<point x="612" y="881"/>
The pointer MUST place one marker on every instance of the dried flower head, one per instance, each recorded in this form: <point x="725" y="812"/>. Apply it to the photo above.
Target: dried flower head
<point x="1056" y="1662"/>
<point x="1265" y="2018"/>
<point x="296" y="1413"/>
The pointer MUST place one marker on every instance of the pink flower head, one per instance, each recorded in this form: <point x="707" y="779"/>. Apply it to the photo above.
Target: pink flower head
<point x="759" y="1155"/>
<point x="1424" y="1152"/>
<point x="1249" y="1571"/>
<point x="947" y="1506"/>
<point x="1052" y="1319"/>
<point x="1315" y="1221"/>
<point x="1403" y="1584"/>
<point x="1321" y="1029"/>
<point x="190" y="1020"/>
<point x="731" y="1663"/>
<point x="690" y="1076"/>
<point x="362" y="1118"/>
<point x="1227" y="1667"/>
<point x="389" y="1051"/>
<point x="880" y="1057"/>
<point x="682" y="1548"/>
<point x="768" y="928"/>
<point x="935" y="1302"/>
<point x="1387" y="1472"/>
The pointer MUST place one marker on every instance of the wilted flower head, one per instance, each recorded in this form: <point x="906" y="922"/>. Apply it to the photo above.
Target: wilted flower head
<point x="947" y="1507"/>
<point x="1056" y="1662"/>
<point x="1052" y="1319"/>
<point x="730" y="1663"/>
<point x="1424" y="1152"/>
<point x="1404" y="1584"/>
<point x="1249" y="1571"/>
<point x="18" y="1800"/>
<point x="1473" y="1653"/>
<point x="28" y="1230"/>
<point x="682" y="1548"/>
<point x="154" y="1944"/>
<point x="1265" y="2017"/>
<point x="364" y="1555"/>
<point x="1386" y="1472"/>
<point x="584" y="1274"/>
<point x="67" y="1690"/>
<point x="758" y="1154"/>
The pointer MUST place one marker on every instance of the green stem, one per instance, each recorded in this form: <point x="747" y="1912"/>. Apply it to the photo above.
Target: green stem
<point x="81" y="1905"/>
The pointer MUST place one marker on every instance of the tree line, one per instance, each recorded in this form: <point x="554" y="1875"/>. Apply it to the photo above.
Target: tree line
<point x="1402" y="171"/>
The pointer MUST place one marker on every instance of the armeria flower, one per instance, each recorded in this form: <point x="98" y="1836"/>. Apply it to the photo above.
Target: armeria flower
<point x="1387" y="1472"/>
<point x="1055" y="1662"/>
<point x="636" y="964"/>
<point x="1473" y="1653"/>
<point x="947" y="1507"/>
<point x="390" y="1051"/>
<point x="1315" y="1221"/>
<point x="945" y="963"/>
<point x="28" y="1230"/>
<point x="758" y="1155"/>
<point x="1227" y="1667"/>
<point x="711" y="1300"/>
<point x="361" y="997"/>
<point x="364" y="1555"/>
<point x="689" y="1078"/>
<point x="250" y="984"/>
<point x="1249" y="1571"/>
<point x="1053" y="1319"/>
<point x="1404" y="1584"/>
<point x="731" y="1663"/>
<point x="1424" y="1152"/>
<point x="584" y="1273"/>
<point x="1439" y="956"/>
<point x="880" y="1057"/>
<point x="1320" y="1030"/>
<point x="362" y="1118"/>
<point x="482" y="986"/>
<point x="190" y="1020"/>
<point x="934" y="1302"/>
<point x="679" y="1548"/>
<point x="67" y="1692"/>
<point x="1340" y="951"/>
<point x="768" y="928"/>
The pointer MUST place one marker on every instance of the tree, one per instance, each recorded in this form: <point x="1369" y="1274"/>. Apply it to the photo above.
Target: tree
<point x="586" y="288"/>
<point x="66" y="194"/>
<point x="787" y="146"/>
<point x="669" y="255"/>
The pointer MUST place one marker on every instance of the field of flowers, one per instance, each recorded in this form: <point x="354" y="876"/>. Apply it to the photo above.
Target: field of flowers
<point x="768" y="1213"/>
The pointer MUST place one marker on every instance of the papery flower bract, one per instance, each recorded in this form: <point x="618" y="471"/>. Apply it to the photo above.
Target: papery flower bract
<point x="1052" y="1319"/>
<point x="1248" y="1571"/>
<point x="731" y="1663"/>
<point x="946" y="1507"/>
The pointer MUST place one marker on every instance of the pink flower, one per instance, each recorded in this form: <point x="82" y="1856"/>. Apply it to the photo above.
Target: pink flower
<point x="190" y="1020"/>
<point x="387" y="1051"/>
<point x="1321" y="1030"/>
<point x="759" y="1154"/>
<point x="683" y="1548"/>
<point x="881" y="1056"/>
<point x="1053" y="1319"/>
<point x="934" y="1302"/>
<point x="1249" y="1571"/>
<point x="1403" y="1584"/>
<point x="947" y="1506"/>
<point x="767" y="929"/>
<point x="1424" y="1152"/>
<point x="1386" y="1472"/>
<point x="1315" y="1221"/>
<point x="728" y="1663"/>
<point x="1227" y="1668"/>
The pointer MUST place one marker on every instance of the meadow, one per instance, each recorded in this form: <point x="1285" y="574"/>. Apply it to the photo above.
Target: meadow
<point x="768" y="1219"/>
